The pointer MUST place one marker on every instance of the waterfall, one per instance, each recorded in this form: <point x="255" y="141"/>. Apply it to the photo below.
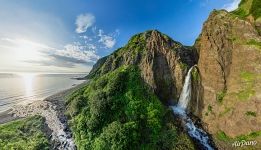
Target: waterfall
<point x="196" y="133"/>
<point x="185" y="95"/>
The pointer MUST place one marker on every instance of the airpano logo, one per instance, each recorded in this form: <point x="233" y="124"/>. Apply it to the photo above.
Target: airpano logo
<point x="244" y="143"/>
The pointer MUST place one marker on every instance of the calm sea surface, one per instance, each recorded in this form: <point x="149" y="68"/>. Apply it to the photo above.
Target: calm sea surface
<point x="25" y="88"/>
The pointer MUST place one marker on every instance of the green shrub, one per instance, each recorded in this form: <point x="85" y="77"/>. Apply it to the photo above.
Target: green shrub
<point x="255" y="43"/>
<point x="221" y="135"/>
<point x="195" y="75"/>
<point x="24" y="134"/>
<point x="118" y="111"/>
<point x="256" y="9"/>
<point x="209" y="108"/>
<point x="241" y="13"/>
<point x="220" y="96"/>
<point x="251" y="113"/>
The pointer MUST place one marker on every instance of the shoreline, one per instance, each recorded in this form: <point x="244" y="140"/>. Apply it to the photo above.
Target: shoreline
<point x="52" y="108"/>
<point x="7" y="115"/>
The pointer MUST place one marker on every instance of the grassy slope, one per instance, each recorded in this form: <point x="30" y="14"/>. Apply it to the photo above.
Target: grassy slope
<point x="247" y="8"/>
<point x="118" y="111"/>
<point x="23" y="134"/>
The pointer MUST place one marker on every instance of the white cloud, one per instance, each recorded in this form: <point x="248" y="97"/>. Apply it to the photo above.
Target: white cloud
<point x="232" y="5"/>
<point x="78" y="52"/>
<point x="19" y="54"/>
<point x="86" y="21"/>
<point x="83" y="22"/>
<point x="107" y="40"/>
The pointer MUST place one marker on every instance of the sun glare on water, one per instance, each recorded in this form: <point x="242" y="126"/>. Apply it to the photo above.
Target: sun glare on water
<point x="28" y="79"/>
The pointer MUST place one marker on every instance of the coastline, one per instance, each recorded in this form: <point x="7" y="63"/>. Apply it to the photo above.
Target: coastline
<point x="56" y="99"/>
<point x="6" y="116"/>
<point x="52" y="109"/>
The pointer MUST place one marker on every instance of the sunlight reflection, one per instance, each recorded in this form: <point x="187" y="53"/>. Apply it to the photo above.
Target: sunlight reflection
<point x="28" y="83"/>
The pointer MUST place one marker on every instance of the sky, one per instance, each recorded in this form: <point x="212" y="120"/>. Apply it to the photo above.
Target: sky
<point x="66" y="36"/>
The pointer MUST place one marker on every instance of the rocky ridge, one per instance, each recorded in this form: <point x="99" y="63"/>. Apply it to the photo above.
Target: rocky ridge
<point x="163" y="62"/>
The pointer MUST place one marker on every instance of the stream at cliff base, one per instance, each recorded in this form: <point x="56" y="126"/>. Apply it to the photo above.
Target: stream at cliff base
<point x="180" y="110"/>
<point x="192" y="130"/>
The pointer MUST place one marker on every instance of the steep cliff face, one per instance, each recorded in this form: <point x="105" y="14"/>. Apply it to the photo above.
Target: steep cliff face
<point x="229" y="49"/>
<point x="162" y="61"/>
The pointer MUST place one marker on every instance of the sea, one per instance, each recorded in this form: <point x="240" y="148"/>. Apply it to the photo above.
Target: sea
<point x="24" y="88"/>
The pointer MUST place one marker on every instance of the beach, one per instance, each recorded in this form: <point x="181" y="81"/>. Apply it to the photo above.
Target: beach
<point x="52" y="109"/>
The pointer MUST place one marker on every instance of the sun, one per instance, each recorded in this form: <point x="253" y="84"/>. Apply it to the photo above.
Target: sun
<point x="27" y="51"/>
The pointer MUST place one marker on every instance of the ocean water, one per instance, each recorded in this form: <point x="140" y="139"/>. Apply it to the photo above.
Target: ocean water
<point x="28" y="87"/>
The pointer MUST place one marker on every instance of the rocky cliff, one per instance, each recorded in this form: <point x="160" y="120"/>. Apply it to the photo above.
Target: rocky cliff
<point x="162" y="61"/>
<point x="226" y="78"/>
<point x="229" y="49"/>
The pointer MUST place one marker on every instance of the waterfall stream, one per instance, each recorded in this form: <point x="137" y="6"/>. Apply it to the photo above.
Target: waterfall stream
<point x="180" y="110"/>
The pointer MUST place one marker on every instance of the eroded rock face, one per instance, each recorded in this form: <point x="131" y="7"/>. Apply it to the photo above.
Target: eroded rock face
<point x="230" y="68"/>
<point x="162" y="61"/>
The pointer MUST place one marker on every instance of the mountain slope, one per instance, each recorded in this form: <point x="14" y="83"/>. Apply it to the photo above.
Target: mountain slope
<point x="118" y="111"/>
<point x="126" y="87"/>
<point x="162" y="61"/>
<point x="121" y="107"/>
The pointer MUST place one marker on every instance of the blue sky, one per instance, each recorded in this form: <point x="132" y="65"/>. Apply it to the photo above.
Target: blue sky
<point x="70" y="35"/>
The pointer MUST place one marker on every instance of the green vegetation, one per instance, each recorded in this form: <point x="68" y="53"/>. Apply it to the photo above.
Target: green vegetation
<point x="250" y="136"/>
<point x="256" y="9"/>
<point x="247" y="8"/>
<point x="241" y="13"/>
<point x="220" y="96"/>
<point x="24" y="134"/>
<point x="227" y="109"/>
<point x="251" y="113"/>
<point x="221" y="135"/>
<point x="195" y="75"/>
<point x="183" y="66"/>
<point x="248" y="78"/>
<point x="243" y="9"/>
<point x="254" y="43"/>
<point x="209" y="108"/>
<point x="245" y="94"/>
<point x="118" y="111"/>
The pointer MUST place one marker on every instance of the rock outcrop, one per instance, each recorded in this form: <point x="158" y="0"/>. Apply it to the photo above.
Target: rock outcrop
<point x="162" y="61"/>
<point x="229" y="49"/>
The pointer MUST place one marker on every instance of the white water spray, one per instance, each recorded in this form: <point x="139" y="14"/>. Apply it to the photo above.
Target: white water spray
<point x="185" y="95"/>
<point x="180" y="110"/>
